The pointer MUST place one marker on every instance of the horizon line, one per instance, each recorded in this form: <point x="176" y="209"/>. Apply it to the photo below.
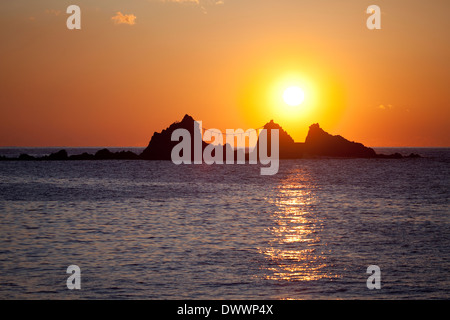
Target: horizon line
<point x="95" y="147"/>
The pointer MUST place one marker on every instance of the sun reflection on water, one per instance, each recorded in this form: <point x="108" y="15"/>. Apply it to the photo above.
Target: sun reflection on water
<point x="293" y="253"/>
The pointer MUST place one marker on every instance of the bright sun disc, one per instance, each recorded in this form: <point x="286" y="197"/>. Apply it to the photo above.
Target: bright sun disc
<point x="293" y="96"/>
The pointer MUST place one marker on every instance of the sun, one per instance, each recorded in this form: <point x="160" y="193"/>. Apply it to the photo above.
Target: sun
<point x="293" y="96"/>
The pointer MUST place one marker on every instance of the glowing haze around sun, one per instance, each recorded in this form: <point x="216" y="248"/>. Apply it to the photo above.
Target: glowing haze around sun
<point x="293" y="96"/>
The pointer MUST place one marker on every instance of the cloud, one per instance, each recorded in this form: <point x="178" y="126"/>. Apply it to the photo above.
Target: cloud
<point x="182" y="1"/>
<point x="392" y="108"/>
<point x="202" y="4"/>
<point x="385" y="107"/>
<point x="53" y="12"/>
<point x="121" y="18"/>
<point x="199" y="2"/>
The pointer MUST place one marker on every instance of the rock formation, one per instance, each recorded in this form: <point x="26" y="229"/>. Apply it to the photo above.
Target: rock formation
<point x="161" y="144"/>
<point x="318" y="143"/>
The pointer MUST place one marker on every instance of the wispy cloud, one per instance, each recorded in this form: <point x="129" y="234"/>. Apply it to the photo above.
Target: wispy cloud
<point x="121" y="18"/>
<point x="385" y="107"/>
<point x="182" y="1"/>
<point x="203" y="4"/>
<point x="392" y="108"/>
<point x="53" y="12"/>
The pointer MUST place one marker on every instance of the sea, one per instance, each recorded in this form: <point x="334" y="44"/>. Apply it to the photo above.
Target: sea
<point x="154" y="230"/>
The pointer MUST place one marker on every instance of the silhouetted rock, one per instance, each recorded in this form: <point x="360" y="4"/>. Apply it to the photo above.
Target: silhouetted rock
<point x="161" y="144"/>
<point x="104" y="154"/>
<point x="390" y="156"/>
<point x="83" y="156"/>
<point x="126" y="155"/>
<point x="60" y="155"/>
<point x="414" y="155"/>
<point x="288" y="148"/>
<point x="320" y="143"/>
<point x="25" y="156"/>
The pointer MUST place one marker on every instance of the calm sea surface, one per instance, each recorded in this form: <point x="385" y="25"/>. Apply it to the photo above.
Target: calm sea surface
<point x="153" y="230"/>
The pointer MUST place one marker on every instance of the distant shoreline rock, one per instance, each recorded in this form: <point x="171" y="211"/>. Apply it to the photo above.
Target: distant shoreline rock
<point x="61" y="155"/>
<point x="318" y="144"/>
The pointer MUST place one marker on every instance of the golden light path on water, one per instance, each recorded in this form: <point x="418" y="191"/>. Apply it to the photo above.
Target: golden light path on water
<point x="294" y="253"/>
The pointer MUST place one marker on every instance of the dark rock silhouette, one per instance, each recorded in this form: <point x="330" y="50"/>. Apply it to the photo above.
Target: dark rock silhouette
<point x="126" y="155"/>
<point x="83" y="156"/>
<point x="60" y="155"/>
<point x="414" y="155"/>
<point x="161" y="144"/>
<point x="24" y="156"/>
<point x="390" y="156"/>
<point x="288" y="148"/>
<point x="105" y="154"/>
<point x="320" y="143"/>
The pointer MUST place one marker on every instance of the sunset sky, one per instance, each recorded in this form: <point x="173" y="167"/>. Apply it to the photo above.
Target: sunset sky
<point x="136" y="66"/>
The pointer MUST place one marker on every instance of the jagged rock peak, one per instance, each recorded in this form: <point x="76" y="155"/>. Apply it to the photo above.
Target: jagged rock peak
<point x="315" y="127"/>
<point x="284" y="136"/>
<point x="319" y="142"/>
<point x="187" y="118"/>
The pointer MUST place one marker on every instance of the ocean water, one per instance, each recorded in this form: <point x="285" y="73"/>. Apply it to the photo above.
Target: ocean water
<point x="154" y="230"/>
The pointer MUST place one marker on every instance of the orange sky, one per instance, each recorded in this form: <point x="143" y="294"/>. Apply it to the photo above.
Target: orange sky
<point x="225" y="63"/>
